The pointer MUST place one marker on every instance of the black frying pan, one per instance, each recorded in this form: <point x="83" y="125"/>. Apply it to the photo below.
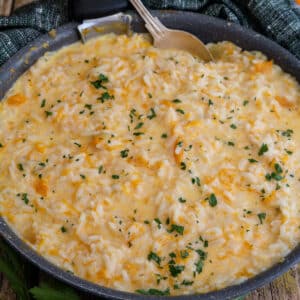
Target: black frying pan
<point x="209" y="30"/>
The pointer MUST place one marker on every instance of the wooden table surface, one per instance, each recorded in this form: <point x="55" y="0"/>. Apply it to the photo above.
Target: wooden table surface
<point x="286" y="287"/>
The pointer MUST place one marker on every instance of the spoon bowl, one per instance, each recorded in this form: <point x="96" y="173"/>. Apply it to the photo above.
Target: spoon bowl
<point x="166" y="38"/>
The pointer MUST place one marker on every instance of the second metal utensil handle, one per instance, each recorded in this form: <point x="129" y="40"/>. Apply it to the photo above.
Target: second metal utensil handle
<point x="155" y="27"/>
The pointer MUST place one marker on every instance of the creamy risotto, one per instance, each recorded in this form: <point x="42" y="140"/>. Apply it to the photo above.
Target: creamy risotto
<point x="146" y="170"/>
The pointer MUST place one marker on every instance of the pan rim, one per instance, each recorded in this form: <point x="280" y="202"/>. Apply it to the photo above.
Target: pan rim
<point x="67" y="34"/>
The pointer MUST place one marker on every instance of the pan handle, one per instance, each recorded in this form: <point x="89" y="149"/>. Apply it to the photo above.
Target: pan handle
<point x="88" y="9"/>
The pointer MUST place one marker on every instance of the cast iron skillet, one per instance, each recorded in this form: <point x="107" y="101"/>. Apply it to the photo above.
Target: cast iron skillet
<point x="209" y="30"/>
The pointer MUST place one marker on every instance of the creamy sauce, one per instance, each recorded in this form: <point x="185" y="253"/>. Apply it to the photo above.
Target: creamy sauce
<point x="146" y="170"/>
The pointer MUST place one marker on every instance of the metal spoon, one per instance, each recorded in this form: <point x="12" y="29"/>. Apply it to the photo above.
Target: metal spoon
<point x="169" y="38"/>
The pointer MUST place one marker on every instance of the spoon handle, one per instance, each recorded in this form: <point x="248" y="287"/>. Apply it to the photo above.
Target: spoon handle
<point x="154" y="26"/>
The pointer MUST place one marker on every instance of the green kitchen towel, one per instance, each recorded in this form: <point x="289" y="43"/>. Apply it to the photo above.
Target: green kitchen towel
<point x="277" y="19"/>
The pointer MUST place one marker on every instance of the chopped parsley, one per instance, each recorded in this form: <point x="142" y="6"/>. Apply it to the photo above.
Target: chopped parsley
<point x="154" y="292"/>
<point x="124" y="153"/>
<point x="182" y="166"/>
<point x="212" y="200"/>
<point x="152" y="114"/>
<point x="184" y="253"/>
<point x="115" y="176"/>
<point x="20" y="167"/>
<point x="202" y="257"/>
<point x="48" y="113"/>
<point x="261" y="217"/>
<point x="181" y="200"/>
<point x="63" y="229"/>
<point x="210" y="102"/>
<point x="82" y="176"/>
<point x="175" y="270"/>
<point x="153" y="256"/>
<point x="105" y="96"/>
<point x="251" y="160"/>
<point x="180" y="111"/>
<point x="233" y="126"/>
<point x="100" y="81"/>
<point x="177" y="228"/>
<point x="139" y="125"/>
<point x="164" y="136"/>
<point x="187" y="282"/>
<point x="150" y="95"/>
<point x="158" y="222"/>
<point x="24" y="197"/>
<point x="100" y="169"/>
<point x="263" y="149"/>
<point x="138" y="133"/>
<point x="230" y="143"/>
<point x="176" y="101"/>
<point x="287" y="133"/>
<point x="196" y="180"/>
<point x="88" y="106"/>
<point x="275" y="175"/>
<point x="43" y="103"/>
<point x="1" y="146"/>
<point x="245" y="102"/>
<point x="77" y="144"/>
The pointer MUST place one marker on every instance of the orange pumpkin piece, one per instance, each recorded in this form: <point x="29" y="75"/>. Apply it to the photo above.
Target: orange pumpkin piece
<point x="16" y="99"/>
<point x="283" y="101"/>
<point x="263" y="67"/>
<point x="41" y="187"/>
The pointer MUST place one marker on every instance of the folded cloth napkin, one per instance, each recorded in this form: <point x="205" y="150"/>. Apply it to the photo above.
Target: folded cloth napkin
<point x="277" y="19"/>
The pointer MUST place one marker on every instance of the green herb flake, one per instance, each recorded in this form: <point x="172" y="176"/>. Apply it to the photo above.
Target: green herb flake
<point x="251" y="160"/>
<point x="88" y="106"/>
<point x="199" y="266"/>
<point x="210" y="102"/>
<point x="212" y="200"/>
<point x="233" y="126"/>
<point x="100" y="81"/>
<point x="180" y="111"/>
<point x="20" y="167"/>
<point x="184" y="253"/>
<point x="48" y="113"/>
<point x="138" y="133"/>
<point x="288" y="151"/>
<point x="152" y="114"/>
<point x="105" y="96"/>
<point x="139" y="125"/>
<point x="43" y="103"/>
<point x="176" y="101"/>
<point x="158" y="222"/>
<point x="261" y="217"/>
<point x="246" y="102"/>
<point x="24" y="197"/>
<point x="63" y="229"/>
<point x="181" y="200"/>
<point x="278" y="168"/>
<point x="287" y="133"/>
<point x="77" y="144"/>
<point x="164" y="136"/>
<point x="230" y="144"/>
<point x="150" y="95"/>
<point x="187" y="282"/>
<point x="153" y="256"/>
<point x="82" y="176"/>
<point x="115" y="176"/>
<point x="182" y="166"/>
<point x="177" y="228"/>
<point x="175" y="270"/>
<point x="263" y="149"/>
<point x="124" y="153"/>
<point x="154" y="292"/>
